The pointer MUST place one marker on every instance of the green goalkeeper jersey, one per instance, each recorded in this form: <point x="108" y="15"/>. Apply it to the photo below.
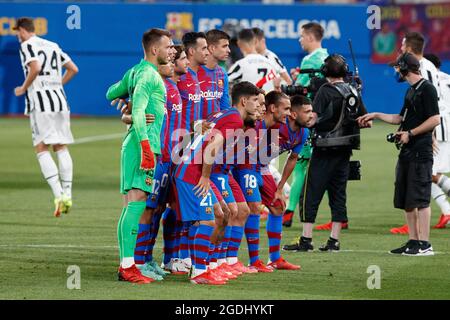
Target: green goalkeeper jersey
<point x="314" y="60"/>
<point x="147" y="92"/>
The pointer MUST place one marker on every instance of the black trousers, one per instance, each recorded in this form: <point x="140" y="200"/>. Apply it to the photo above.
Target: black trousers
<point x="327" y="171"/>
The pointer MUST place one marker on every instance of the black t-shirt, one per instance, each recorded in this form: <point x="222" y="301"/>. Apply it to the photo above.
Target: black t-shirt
<point x="421" y="103"/>
<point x="328" y="106"/>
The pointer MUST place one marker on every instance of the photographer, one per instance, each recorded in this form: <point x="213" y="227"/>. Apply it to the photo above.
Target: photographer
<point x="337" y="106"/>
<point x="310" y="41"/>
<point x="418" y="118"/>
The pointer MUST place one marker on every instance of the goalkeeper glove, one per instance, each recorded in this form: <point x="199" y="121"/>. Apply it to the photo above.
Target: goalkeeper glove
<point x="147" y="156"/>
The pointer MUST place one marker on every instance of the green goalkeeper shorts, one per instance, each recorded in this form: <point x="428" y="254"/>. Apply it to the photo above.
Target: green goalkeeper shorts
<point x="131" y="176"/>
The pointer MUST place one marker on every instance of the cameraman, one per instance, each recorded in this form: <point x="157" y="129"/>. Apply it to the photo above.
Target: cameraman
<point x="329" y="165"/>
<point x="310" y="41"/>
<point x="418" y="118"/>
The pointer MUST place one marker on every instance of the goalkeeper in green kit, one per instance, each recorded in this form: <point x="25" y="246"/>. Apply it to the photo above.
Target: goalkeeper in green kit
<point x="147" y="94"/>
<point x="311" y="42"/>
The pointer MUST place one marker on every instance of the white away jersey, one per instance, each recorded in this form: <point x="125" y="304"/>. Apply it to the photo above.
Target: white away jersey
<point x="46" y="93"/>
<point x="444" y="100"/>
<point x="429" y="72"/>
<point x="254" y="68"/>
<point x="275" y="61"/>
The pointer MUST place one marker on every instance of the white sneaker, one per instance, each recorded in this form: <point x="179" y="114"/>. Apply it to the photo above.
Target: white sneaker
<point x="178" y="266"/>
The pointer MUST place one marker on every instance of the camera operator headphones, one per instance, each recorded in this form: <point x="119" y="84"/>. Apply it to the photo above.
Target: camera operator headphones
<point x="403" y="65"/>
<point x="334" y="59"/>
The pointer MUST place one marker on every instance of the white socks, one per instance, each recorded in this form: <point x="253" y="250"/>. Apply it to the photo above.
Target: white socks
<point x="65" y="170"/>
<point x="196" y="272"/>
<point x="221" y="261"/>
<point x="444" y="183"/>
<point x="127" y="262"/>
<point x="50" y="172"/>
<point x="232" y="260"/>
<point x="440" y="198"/>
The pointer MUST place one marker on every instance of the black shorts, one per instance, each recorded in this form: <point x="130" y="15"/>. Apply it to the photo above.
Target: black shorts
<point x="413" y="184"/>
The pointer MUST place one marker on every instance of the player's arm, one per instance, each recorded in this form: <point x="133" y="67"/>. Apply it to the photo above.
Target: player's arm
<point x="35" y="68"/>
<point x="126" y="118"/>
<point x="303" y="79"/>
<point x="119" y="89"/>
<point x="141" y="97"/>
<point x="71" y="71"/>
<point x="209" y="155"/>
<point x="287" y="171"/>
<point x="281" y="70"/>
<point x="29" y="59"/>
<point x="235" y="73"/>
<point x="285" y="76"/>
<point x="389" y="118"/>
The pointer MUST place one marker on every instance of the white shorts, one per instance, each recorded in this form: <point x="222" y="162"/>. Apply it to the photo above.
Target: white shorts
<point x="441" y="161"/>
<point x="50" y="128"/>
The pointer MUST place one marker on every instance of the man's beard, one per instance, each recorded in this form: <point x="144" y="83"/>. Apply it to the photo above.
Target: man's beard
<point x="162" y="62"/>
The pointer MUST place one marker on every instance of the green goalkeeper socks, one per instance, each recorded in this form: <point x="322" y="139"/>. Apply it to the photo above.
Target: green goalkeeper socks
<point x="119" y="234"/>
<point x="127" y="228"/>
<point x="298" y="179"/>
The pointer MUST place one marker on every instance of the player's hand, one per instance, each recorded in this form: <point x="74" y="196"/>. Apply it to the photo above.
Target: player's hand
<point x="202" y="187"/>
<point x="205" y="126"/>
<point x="435" y="146"/>
<point x="279" y="196"/>
<point x="19" y="91"/>
<point x="147" y="156"/>
<point x="149" y="118"/>
<point x="294" y="73"/>
<point x="365" y="119"/>
<point x="403" y="136"/>
<point x="217" y="235"/>
<point x="119" y="103"/>
<point x="365" y="124"/>
<point x="126" y="118"/>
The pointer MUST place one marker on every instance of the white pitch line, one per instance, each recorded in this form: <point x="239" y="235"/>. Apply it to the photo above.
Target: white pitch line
<point x="71" y="246"/>
<point x="99" y="138"/>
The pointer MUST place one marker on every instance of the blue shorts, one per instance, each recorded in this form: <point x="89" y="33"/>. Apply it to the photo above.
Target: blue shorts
<point x="161" y="183"/>
<point x="250" y="182"/>
<point x="222" y="183"/>
<point x="191" y="207"/>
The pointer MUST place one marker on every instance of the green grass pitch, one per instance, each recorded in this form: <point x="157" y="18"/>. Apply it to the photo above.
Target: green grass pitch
<point x="36" y="249"/>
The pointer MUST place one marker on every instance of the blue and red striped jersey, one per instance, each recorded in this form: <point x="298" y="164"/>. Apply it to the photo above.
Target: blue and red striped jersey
<point x="225" y="123"/>
<point x="173" y="119"/>
<point x="191" y="97"/>
<point x="267" y="143"/>
<point x="214" y="90"/>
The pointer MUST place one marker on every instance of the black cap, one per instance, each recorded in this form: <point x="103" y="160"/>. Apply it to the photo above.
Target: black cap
<point x="406" y="61"/>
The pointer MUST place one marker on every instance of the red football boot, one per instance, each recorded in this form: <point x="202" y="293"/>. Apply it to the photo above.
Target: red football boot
<point x="225" y="274"/>
<point x="260" y="266"/>
<point x="443" y="221"/>
<point x="132" y="274"/>
<point x="282" y="264"/>
<point x="226" y="267"/>
<point x="327" y="226"/>
<point x="217" y="274"/>
<point x="206" y="278"/>
<point x="287" y="218"/>
<point x="401" y="230"/>
<point x="241" y="268"/>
